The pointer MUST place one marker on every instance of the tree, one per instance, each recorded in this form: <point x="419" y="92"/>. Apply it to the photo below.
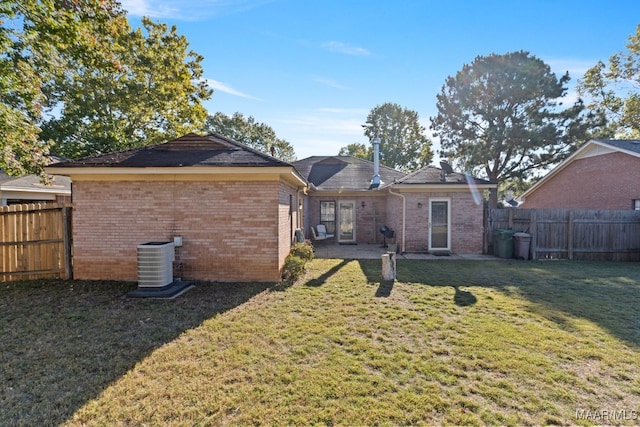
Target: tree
<point x="500" y="116"/>
<point x="32" y="36"/>
<point x="361" y="151"/>
<point x="614" y="90"/>
<point x="141" y="87"/>
<point x="403" y="143"/>
<point x="247" y="131"/>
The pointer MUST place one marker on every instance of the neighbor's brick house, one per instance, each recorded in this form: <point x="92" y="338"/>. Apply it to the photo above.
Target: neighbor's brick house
<point x="602" y="174"/>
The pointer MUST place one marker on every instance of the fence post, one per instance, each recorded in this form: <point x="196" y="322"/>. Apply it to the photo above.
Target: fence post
<point x="66" y="230"/>
<point x="534" y="234"/>
<point x="570" y="236"/>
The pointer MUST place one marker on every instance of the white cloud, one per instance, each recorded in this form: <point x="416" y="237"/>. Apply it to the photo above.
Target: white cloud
<point x="330" y="83"/>
<point x="345" y="48"/>
<point x="188" y="10"/>
<point x="351" y="111"/>
<point x="223" y="87"/>
<point x="320" y="124"/>
<point x="151" y="8"/>
<point x="575" y="67"/>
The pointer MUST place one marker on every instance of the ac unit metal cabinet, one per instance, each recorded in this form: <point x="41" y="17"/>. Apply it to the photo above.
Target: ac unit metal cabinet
<point x="155" y="264"/>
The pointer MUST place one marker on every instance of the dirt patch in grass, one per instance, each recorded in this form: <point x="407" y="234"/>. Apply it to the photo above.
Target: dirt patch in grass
<point x="500" y="343"/>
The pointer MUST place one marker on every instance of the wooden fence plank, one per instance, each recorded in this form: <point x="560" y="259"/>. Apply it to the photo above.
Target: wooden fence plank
<point x="35" y="241"/>
<point x="574" y="234"/>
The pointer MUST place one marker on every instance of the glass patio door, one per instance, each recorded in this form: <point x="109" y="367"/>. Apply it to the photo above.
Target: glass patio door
<point x="347" y="221"/>
<point x="439" y="220"/>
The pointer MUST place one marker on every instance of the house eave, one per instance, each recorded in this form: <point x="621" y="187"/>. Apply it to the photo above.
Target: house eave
<point x="409" y="188"/>
<point x="241" y="173"/>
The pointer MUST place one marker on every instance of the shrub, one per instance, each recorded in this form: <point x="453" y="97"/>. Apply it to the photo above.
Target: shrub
<point x="293" y="268"/>
<point x="303" y="250"/>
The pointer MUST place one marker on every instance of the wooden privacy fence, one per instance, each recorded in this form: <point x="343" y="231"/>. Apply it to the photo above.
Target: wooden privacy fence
<point x="603" y="235"/>
<point x="35" y="241"/>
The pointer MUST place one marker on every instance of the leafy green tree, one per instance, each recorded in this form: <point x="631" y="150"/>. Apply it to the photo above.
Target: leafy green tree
<point x="249" y="132"/>
<point x="140" y="87"/>
<point x="501" y="117"/>
<point x="614" y="90"/>
<point x="403" y="143"/>
<point x="32" y="35"/>
<point x="356" y="149"/>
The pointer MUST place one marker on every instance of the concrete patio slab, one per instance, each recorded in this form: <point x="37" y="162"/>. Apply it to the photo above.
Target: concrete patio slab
<point x="374" y="251"/>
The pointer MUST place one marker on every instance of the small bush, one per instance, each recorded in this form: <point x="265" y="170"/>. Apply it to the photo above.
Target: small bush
<point x="293" y="268"/>
<point x="303" y="250"/>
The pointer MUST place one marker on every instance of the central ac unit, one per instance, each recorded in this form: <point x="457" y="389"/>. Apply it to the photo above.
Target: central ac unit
<point x="155" y="264"/>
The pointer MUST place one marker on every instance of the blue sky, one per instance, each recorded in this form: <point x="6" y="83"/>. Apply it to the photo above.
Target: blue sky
<point x="314" y="69"/>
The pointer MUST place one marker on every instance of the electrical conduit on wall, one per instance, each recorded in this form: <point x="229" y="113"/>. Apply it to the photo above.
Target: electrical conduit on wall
<point x="404" y="216"/>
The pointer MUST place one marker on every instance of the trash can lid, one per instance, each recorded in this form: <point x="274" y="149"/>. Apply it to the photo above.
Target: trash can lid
<point x="522" y="234"/>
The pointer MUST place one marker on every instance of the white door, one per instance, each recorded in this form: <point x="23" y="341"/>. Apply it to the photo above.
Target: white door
<point x="439" y="225"/>
<point x="347" y="221"/>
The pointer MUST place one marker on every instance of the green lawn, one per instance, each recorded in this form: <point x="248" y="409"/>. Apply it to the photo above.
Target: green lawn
<point x="450" y="342"/>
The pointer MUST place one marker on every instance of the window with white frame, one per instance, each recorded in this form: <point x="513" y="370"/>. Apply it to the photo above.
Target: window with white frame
<point x="328" y="216"/>
<point x="636" y="204"/>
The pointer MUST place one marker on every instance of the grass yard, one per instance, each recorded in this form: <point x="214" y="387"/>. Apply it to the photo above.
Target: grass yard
<point x="450" y="342"/>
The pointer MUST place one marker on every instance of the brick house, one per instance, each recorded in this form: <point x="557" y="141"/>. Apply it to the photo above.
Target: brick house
<point x="31" y="189"/>
<point x="428" y="210"/>
<point x="602" y="174"/>
<point x="235" y="208"/>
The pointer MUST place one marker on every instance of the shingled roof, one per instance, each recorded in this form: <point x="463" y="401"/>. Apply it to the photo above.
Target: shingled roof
<point x="342" y="172"/>
<point x="188" y="150"/>
<point x="432" y="175"/>
<point x="631" y="145"/>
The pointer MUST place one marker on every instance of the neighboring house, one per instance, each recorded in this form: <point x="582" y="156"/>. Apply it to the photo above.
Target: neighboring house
<point x="428" y="210"/>
<point x="30" y="189"/>
<point x="235" y="208"/>
<point x="602" y="174"/>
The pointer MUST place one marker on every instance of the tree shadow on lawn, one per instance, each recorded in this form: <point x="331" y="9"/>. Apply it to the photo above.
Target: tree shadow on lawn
<point x="606" y="293"/>
<point x="63" y="342"/>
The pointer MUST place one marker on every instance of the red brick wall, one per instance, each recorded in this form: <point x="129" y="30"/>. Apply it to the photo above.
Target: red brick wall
<point x="368" y="218"/>
<point x="287" y="220"/>
<point x="386" y="209"/>
<point x="229" y="229"/>
<point x="466" y="221"/>
<point x="609" y="181"/>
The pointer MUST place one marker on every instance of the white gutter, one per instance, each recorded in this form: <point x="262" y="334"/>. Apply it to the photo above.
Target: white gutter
<point x="404" y="217"/>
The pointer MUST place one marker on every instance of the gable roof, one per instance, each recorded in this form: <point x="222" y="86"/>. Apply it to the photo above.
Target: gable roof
<point x="593" y="147"/>
<point x="431" y="175"/>
<point x="329" y="173"/>
<point x="32" y="184"/>
<point x="628" y="146"/>
<point x="188" y="150"/>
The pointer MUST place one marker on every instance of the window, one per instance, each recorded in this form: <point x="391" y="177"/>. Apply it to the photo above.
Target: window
<point x="636" y="204"/>
<point x="328" y="216"/>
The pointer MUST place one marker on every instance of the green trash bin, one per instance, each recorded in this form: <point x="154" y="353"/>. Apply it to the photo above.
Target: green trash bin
<point x="503" y="243"/>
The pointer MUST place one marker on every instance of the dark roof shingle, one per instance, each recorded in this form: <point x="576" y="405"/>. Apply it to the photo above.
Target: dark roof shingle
<point x="187" y="150"/>
<point x="342" y="172"/>
<point x="624" y="144"/>
<point x="432" y="175"/>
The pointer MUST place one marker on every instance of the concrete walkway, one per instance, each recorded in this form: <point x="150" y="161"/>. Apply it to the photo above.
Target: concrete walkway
<point x="374" y="251"/>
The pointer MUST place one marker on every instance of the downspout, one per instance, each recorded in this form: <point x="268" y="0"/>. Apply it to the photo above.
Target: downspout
<point x="404" y="217"/>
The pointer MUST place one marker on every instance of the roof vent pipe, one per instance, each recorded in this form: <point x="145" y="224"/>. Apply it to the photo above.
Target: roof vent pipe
<point x="375" y="182"/>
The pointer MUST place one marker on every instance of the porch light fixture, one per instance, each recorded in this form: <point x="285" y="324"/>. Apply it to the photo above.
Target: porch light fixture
<point x="363" y="204"/>
<point x="419" y="205"/>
